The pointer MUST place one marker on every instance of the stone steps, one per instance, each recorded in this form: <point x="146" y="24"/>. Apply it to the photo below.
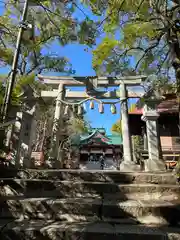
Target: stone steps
<point x="163" y="196"/>
<point x="50" y="230"/>
<point x="61" y="189"/>
<point x="89" y="209"/>
<point x="88" y="205"/>
<point x="91" y="175"/>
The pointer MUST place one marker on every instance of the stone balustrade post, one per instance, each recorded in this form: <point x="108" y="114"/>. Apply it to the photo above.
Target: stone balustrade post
<point x="154" y="162"/>
<point x="26" y="136"/>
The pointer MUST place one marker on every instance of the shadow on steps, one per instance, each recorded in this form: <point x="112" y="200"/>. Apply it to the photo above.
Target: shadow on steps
<point x="86" y="202"/>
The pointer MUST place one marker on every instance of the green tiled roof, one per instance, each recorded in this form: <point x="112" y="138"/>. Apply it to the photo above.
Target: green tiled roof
<point x="115" y="139"/>
<point x="87" y="136"/>
<point x="112" y="139"/>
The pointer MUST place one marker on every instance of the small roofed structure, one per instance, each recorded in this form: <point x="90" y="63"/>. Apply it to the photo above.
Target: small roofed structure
<point x="168" y="123"/>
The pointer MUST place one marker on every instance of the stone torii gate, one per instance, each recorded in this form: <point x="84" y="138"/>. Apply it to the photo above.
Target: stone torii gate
<point x="61" y="93"/>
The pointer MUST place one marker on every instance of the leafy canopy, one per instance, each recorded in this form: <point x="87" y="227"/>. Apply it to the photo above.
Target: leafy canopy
<point x="51" y="22"/>
<point x="145" y="31"/>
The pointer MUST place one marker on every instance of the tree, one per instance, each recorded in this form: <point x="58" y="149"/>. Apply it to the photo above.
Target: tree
<point x="76" y="126"/>
<point x="117" y="128"/>
<point x="145" y="33"/>
<point x="31" y="59"/>
<point x="44" y="124"/>
<point x="73" y="125"/>
<point x="1" y="92"/>
<point x="49" y="21"/>
<point x="150" y="32"/>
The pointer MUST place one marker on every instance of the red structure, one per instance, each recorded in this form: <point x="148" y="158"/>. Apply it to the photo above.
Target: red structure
<point x="168" y="123"/>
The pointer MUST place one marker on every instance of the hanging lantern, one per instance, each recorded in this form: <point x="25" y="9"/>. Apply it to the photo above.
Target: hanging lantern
<point x="101" y="108"/>
<point x="80" y="110"/>
<point x="91" y="105"/>
<point x="66" y="110"/>
<point x="113" y="109"/>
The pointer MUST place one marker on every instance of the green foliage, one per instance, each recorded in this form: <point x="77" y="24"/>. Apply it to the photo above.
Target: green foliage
<point x="21" y="82"/>
<point x="133" y="31"/>
<point x="77" y="125"/>
<point x="1" y="92"/>
<point x="50" y="21"/>
<point x="26" y="79"/>
<point x="88" y="32"/>
<point x="117" y="127"/>
<point x="132" y="107"/>
<point x="163" y="86"/>
<point x="6" y="56"/>
<point x="148" y="32"/>
<point x="137" y="141"/>
<point x="103" y="51"/>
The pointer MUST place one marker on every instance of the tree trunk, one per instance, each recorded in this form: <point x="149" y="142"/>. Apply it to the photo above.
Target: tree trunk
<point x="37" y="141"/>
<point x="176" y="65"/>
<point x="43" y="135"/>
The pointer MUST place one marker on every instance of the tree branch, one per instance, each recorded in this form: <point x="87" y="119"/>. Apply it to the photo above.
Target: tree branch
<point x="138" y="8"/>
<point x="35" y="66"/>
<point x="162" y="63"/>
<point x="148" y="50"/>
<point x="107" y="17"/>
<point x="48" y="10"/>
<point x="80" y="9"/>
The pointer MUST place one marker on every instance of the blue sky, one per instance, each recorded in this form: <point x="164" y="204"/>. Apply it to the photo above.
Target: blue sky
<point x="81" y="61"/>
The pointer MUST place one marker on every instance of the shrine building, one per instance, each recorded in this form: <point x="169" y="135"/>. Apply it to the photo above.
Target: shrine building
<point x="168" y="123"/>
<point x="97" y="143"/>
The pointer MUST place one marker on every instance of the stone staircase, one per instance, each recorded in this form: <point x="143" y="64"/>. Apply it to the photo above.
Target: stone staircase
<point x="88" y="205"/>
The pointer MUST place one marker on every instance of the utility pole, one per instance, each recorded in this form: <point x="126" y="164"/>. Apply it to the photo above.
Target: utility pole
<point x="12" y="77"/>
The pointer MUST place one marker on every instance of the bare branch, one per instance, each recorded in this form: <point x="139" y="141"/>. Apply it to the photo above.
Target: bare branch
<point x="148" y="50"/>
<point x="162" y="63"/>
<point x="80" y="9"/>
<point x="107" y="17"/>
<point x="48" y="10"/>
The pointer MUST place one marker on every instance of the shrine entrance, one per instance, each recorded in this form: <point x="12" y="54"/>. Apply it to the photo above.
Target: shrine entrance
<point x="100" y="151"/>
<point x="95" y="91"/>
<point x="64" y="98"/>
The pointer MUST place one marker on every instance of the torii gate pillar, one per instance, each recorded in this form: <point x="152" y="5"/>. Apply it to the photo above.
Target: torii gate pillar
<point x="128" y="164"/>
<point x="57" y="125"/>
